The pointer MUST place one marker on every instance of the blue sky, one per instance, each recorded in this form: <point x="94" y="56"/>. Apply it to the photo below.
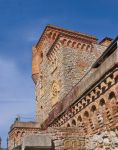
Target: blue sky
<point x="21" y="24"/>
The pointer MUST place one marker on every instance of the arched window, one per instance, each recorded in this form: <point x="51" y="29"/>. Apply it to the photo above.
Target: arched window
<point x="88" y="47"/>
<point x="112" y="95"/>
<point x="41" y="54"/>
<point x="93" y="108"/>
<point x="22" y="134"/>
<point x="73" y="122"/>
<point x="68" y="125"/>
<point x="80" y="107"/>
<point x="116" y="78"/>
<point x="63" y="41"/>
<point x="102" y="102"/>
<point x="88" y="101"/>
<point x="18" y="133"/>
<point x="86" y="114"/>
<point x="73" y="44"/>
<point x="49" y="35"/>
<point x="83" y="46"/>
<point x="68" y="43"/>
<point x="79" y="118"/>
<point x="54" y="35"/>
<point x="78" y="45"/>
<point x="84" y="104"/>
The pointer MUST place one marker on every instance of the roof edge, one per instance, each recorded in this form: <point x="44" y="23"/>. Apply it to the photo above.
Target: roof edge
<point x="110" y="49"/>
<point x="65" y="30"/>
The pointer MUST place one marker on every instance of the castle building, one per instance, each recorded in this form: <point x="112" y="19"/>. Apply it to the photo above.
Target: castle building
<point x="76" y="86"/>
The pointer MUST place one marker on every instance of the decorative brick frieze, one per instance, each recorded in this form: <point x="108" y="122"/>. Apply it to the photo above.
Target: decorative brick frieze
<point x="104" y="86"/>
<point x="51" y="33"/>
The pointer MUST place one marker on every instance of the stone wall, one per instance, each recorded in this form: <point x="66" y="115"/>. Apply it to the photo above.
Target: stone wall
<point x="76" y="105"/>
<point x="83" y="95"/>
<point x="65" y="60"/>
<point x="76" y="63"/>
<point x="66" y="138"/>
<point x="106" y="140"/>
<point x="19" y="130"/>
<point x="72" y="139"/>
<point x="96" y="109"/>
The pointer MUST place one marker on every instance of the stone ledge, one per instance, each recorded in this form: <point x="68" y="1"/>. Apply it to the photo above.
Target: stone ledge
<point x="19" y="124"/>
<point x="37" y="142"/>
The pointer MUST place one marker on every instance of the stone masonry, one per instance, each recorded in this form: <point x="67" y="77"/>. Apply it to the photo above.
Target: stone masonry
<point x="76" y="86"/>
<point x="19" y="130"/>
<point x="65" y="58"/>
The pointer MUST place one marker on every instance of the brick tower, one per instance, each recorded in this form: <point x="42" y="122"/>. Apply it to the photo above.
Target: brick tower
<point x="59" y="60"/>
<point x="76" y="84"/>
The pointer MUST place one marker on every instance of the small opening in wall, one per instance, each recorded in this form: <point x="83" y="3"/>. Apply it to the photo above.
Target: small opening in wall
<point x="73" y="122"/>
<point x="73" y="44"/>
<point x="68" y="43"/>
<point x="63" y="41"/>
<point x="54" y="36"/>
<point x="18" y="132"/>
<point x="93" y="108"/>
<point x="22" y="134"/>
<point x="49" y="35"/>
<point x="41" y="76"/>
<point x="84" y="104"/>
<point x="78" y="45"/>
<point x="68" y="125"/>
<point x="112" y="95"/>
<point x="103" y="88"/>
<point x="116" y="78"/>
<point x="98" y="93"/>
<point x="102" y="102"/>
<point x="80" y="107"/>
<point x="88" y="101"/>
<point x="88" y="47"/>
<point x="79" y="119"/>
<point x="86" y="114"/>
<point x="41" y="54"/>
<point x="41" y="107"/>
<point x="83" y="46"/>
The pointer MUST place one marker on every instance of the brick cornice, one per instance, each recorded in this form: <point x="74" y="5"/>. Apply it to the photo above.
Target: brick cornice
<point x="52" y="32"/>
<point x="73" y="33"/>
